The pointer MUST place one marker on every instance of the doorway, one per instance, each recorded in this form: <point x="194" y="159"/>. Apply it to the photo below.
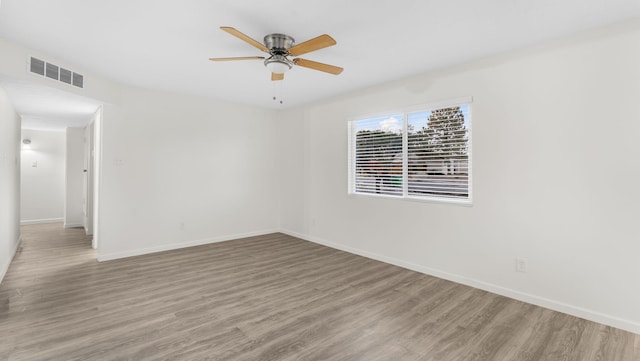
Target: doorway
<point x="48" y="109"/>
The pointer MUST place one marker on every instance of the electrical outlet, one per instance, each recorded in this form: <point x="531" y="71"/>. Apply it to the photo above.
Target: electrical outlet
<point x="521" y="265"/>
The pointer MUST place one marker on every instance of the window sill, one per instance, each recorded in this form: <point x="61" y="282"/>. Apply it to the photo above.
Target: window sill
<point x="456" y="202"/>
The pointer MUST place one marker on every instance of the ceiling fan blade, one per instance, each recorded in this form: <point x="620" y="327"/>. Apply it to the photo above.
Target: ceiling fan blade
<point x="238" y="58"/>
<point x="276" y="76"/>
<point x="317" y="43"/>
<point x="245" y="38"/>
<point x="335" y="70"/>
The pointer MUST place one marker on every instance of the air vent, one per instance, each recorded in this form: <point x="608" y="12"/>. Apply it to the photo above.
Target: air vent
<point x="52" y="71"/>
<point x="65" y="75"/>
<point x="78" y="80"/>
<point x="55" y="72"/>
<point x="37" y="66"/>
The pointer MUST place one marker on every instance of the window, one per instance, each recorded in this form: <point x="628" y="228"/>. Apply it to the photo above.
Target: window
<point x="421" y="155"/>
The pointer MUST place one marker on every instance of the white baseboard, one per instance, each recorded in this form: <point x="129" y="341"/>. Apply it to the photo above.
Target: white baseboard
<point x="73" y="225"/>
<point x="172" y="246"/>
<point x="41" y="221"/>
<point x="599" y="317"/>
<point x="5" y="267"/>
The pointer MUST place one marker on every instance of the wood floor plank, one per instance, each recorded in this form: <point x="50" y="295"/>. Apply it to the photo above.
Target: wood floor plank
<point x="271" y="297"/>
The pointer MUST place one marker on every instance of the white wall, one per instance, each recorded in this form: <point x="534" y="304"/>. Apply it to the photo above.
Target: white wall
<point x="74" y="178"/>
<point x="14" y="64"/>
<point x="176" y="170"/>
<point x="293" y="165"/>
<point x="555" y="178"/>
<point x="9" y="182"/>
<point x="42" y="179"/>
<point x="180" y="170"/>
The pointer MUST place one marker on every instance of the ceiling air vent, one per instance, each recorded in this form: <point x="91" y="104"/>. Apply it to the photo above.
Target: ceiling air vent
<point x="37" y="66"/>
<point x="78" y="80"/>
<point x="65" y="75"/>
<point x="55" y="72"/>
<point x="52" y="71"/>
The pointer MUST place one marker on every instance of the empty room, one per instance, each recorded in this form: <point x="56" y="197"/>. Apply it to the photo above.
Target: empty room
<point x="394" y="180"/>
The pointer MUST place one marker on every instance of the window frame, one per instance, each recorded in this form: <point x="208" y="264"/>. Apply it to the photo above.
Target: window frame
<point x="351" y="157"/>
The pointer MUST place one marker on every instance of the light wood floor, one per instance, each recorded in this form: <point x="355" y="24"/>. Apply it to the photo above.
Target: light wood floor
<point x="268" y="298"/>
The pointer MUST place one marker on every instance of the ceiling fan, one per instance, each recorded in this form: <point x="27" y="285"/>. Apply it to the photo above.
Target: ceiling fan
<point x="280" y="47"/>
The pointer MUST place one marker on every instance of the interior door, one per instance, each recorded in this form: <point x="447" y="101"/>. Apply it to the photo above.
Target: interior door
<point x="89" y="154"/>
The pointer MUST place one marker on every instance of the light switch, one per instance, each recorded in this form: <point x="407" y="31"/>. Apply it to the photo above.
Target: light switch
<point x="34" y="164"/>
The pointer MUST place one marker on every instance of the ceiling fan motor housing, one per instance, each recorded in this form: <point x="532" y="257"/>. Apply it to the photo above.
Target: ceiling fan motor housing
<point x="278" y="43"/>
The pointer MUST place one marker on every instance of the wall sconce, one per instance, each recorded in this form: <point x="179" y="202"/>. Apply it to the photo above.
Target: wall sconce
<point x="26" y="144"/>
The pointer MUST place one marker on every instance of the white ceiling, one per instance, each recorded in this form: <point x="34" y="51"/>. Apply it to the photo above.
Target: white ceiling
<point x="166" y="44"/>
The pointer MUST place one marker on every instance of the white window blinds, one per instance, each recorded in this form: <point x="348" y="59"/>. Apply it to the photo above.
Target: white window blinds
<point x="378" y="157"/>
<point x="420" y="155"/>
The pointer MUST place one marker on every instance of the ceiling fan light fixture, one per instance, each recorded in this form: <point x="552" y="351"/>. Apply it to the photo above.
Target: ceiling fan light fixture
<point x="278" y="64"/>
